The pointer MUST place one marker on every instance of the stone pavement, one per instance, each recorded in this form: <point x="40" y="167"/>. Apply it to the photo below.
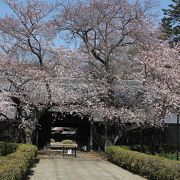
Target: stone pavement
<point x="87" y="166"/>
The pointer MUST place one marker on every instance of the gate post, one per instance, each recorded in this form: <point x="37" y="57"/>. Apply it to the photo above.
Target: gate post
<point x="91" y="135"/>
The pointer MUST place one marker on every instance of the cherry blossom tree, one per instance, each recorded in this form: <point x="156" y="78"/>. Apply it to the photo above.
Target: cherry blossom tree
<point x="105" y="27"/>
<point x="120" y="72"/>
<point x="161" y="64"/>
<point x="26" y="38"/>
<point x="112" y="33"/>
<point x="29" y="29"/>
<point x="148" y="97"/>
<point x="69" y="90"/>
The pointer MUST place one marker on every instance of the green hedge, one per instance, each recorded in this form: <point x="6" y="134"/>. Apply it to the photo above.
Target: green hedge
<point x="67" y="141"/>
<point x="15" y="165"/>
<point x="165" y="148"/>
<point x="146" y="165"/>
<point x="7" y="148"/>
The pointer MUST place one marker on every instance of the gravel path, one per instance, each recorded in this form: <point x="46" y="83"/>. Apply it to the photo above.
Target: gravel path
<point x="58" y="168"/>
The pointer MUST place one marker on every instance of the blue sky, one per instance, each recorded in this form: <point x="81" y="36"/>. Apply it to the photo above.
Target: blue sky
<point x="162" y="4"/>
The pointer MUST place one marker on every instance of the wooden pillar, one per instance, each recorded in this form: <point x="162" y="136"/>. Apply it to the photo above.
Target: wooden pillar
<point x="141" y="139"/>
<point x="105" y="136"/>
<point x="91" y="135"/>
<point x="36" y="131"/>
<point x="37" y="137"/>
<point x="177" y="133"/>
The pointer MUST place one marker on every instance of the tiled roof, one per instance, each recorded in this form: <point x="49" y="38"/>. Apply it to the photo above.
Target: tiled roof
<point x="171" y="119"/>
<point x="4" y="84"/>
<point x="11" y="111"/>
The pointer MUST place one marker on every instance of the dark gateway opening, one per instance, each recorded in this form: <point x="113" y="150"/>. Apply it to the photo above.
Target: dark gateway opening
<point x="58" y="126"/>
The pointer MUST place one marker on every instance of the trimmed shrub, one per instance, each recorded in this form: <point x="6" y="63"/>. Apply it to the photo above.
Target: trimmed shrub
<point x="15" y="165"/>
<point x="67" y="141"/>
<point x="149" y="166"/>
<point x="172" y="156"/>
<point x="162" y="149"/>
<point x="7" y="148"/>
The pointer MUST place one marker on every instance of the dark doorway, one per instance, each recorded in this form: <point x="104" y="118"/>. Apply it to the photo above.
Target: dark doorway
<point x="66" y="121"/>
